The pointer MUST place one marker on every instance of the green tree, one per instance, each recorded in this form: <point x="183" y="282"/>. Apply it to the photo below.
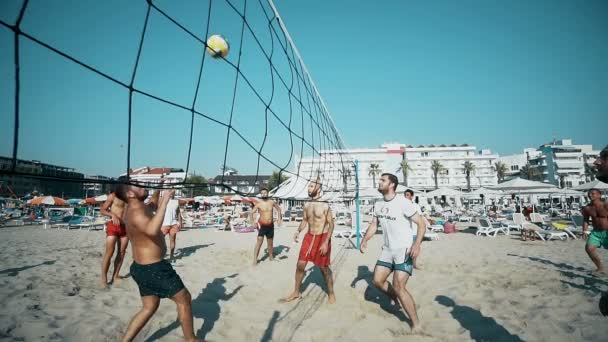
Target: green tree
<point x="436" y="167"/>
<point x="590" y="171"/>
<point x="197" y="185"/>
<point x="405" y="168"/>
<point x="469" y="168"/>
<point x="276" y="179"/>
<point x="501" y="170"/>
<point x="374" y="171"/>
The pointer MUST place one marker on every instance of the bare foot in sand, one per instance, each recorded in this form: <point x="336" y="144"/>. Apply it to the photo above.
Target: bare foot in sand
<point x="331" y="298"/>
<point x="103" y="283"/>
<point x="117" y="280"/>
<point x="417" y="330"/>
<point x="293" y="296"/>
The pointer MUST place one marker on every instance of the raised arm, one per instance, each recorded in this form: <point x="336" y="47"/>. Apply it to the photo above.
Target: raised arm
<point x="153" y="226"/>
<point x="371" y="230"/>
<point x="153" y="204"/>
<point x="276" y="206"/>
<point x="106" y="212"/>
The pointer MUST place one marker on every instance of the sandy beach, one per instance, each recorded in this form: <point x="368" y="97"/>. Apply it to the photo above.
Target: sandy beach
<point x="470" y="288"/>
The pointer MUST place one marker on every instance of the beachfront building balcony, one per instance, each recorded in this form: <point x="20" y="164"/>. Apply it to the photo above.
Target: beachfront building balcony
<point x="388" y="158"/>
<point x="565" y="162"/>
<point x="96" y="189"/>
<point x="22" y="186"/>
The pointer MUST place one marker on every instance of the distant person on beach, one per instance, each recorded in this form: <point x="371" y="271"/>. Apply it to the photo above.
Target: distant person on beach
<point x="153" y="274"/>
<point x="316" y="246"/>
<point x="395" y="214"/>
<point x="116" y="238"/>
<point x="266" y="208"/>
<point x="597" y="211"/>
<point x="172" y="224"/>
<point x="601" y="164"/>
<point x="409" y="194"/>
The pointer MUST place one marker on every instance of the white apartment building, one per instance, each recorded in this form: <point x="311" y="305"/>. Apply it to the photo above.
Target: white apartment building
<point x="554" y="163"/>
<point x="388" y="159"/>
<point x="452" y="158"/>
<point x="562" y="163"/>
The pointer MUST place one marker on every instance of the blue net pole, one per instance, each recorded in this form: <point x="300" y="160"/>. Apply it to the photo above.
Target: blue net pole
<point x="357" y="203"/>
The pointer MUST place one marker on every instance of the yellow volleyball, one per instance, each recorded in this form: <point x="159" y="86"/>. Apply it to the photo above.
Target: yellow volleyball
<point x="217" y="46"/>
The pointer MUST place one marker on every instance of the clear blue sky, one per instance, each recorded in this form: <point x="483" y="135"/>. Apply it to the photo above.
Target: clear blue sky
<point x="502" y="75"/>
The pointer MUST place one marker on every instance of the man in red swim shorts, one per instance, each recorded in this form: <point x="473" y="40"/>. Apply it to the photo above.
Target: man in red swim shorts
<point x="116" y="236"/>
<point x="316" y="246"/>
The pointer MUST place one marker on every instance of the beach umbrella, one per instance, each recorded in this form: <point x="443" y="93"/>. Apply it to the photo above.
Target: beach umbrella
<point x="94" y="200"/>
<point x="48" y="200"/>
<point x="517" y="184"/>
<point x="596" y="184"/>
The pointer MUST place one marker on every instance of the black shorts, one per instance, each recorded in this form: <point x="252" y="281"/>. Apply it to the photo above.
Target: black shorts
<point x="267" y="231"/>
<point x="157" y="279"/>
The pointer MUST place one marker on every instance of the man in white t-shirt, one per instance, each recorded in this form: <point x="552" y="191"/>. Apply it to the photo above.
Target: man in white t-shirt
<point x="172" y="223"/>
<point x="395" y="215"/>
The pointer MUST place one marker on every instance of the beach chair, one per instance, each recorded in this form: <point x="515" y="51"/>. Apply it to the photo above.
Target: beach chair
<point x="506" y="226"/>
<point x="486" y="228"/>
<point x="435" y="228"/>
<point x="350" y="233"/>
<point x="430" y="235"/>
<point x="546" y="234"/>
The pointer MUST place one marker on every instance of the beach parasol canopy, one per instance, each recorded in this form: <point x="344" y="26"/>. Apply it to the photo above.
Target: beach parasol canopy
<point x="521" y="184"/>
<point x="596" y="184"/>
<point x="48" y="200"/>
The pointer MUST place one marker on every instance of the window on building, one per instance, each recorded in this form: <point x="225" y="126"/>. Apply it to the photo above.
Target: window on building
<point x="514" y="167"/>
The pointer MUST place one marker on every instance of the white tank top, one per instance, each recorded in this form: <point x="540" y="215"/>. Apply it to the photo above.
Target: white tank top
<point x="394" y="217"/>
<point x="171" y="213"/>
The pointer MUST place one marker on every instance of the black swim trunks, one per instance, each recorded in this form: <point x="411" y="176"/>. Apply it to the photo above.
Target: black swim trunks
<point x="157" y="279"/>
<point x="266" y="230"/>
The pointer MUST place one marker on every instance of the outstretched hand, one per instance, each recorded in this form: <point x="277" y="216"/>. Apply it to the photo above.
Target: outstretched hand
<point x="415" y="251"/>
<point x="363" y="246"/>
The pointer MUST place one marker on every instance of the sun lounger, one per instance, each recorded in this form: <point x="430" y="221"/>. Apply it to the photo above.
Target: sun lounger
<point x="546" y="234"/>
<point x="486" y="228"/>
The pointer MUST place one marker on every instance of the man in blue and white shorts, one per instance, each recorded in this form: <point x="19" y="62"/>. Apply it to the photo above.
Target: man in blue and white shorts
<point x="395" y="214"/>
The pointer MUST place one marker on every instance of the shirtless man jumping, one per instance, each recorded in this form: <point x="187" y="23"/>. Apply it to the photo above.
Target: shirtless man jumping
<point x="116" y="238"/>
<point x="153" y="274"/>
<point x="597" y="211"/>
<point x="316" y="246"/>
<point x="266" y="221"/>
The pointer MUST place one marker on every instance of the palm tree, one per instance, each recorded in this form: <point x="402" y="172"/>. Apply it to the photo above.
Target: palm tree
<point x="374" y="171"/>
<point x="501" y="170"/>
<point x="469" y="168"/>
<point x="590" y="171"/>
<point x="437" y="167"/>
<point x="405" y="168"/>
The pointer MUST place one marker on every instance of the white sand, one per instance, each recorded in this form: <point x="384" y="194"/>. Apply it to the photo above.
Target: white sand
<point x="502" y="289"/>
